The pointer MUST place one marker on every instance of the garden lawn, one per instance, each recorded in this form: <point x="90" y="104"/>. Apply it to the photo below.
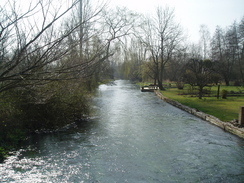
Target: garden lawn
<point x="224" y="109"/>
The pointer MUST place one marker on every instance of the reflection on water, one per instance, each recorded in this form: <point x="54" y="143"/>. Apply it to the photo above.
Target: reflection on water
<point x="133" y="137"/>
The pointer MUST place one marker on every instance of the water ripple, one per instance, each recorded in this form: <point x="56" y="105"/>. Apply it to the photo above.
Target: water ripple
<point x="134" y="137"/>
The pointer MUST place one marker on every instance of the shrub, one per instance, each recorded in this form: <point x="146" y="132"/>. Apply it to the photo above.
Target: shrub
<point x="45" y="107"/>
<point x="2" y="154"/>
<point x="224" y="94"/>
<point x="237" y="83"/>
<point x="62" y="104"/>
<point x="180" y="85"/>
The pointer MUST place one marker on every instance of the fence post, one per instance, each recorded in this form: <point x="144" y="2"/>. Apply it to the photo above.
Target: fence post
<point x="241" y="116"/>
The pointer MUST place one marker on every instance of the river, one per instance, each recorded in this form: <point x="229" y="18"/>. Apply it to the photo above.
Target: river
<point x="132" y="137"/>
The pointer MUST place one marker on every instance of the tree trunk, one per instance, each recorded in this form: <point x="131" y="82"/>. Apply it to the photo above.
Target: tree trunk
<point x="160" y="85"/>
<point x="160" y="76"/>
<point x="200" y="92"/>
<point x="227" y="82"/>
<point x="155" y="81"/>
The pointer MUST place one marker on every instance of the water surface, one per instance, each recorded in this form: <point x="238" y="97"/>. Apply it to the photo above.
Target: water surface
<point x="133" y="137"/>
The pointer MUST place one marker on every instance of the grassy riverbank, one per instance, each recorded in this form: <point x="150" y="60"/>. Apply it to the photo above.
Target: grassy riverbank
<point x="224" y="109"/>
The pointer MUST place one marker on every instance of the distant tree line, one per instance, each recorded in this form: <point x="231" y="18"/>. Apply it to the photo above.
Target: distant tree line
<point x="160" y="52"/>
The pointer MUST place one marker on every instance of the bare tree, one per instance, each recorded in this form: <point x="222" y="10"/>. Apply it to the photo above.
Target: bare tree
<point x="205" y="40"/>
<point x="30" y="47"/>
<point x="40" y="49"/>
<point x="176" y="68"/>
<point x="218" y="44"/>
<point x="241" y="60"/>
<point x="133" y="61"/>
<point x="199" y="73"/>
<point x="226" y="51"/>
<point x="117" y="25"/>
<point x="149" y="39"/>
<point x="163" y="36"/>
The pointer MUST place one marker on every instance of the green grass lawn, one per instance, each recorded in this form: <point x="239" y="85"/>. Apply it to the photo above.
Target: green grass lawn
<point x="224" y="109"/>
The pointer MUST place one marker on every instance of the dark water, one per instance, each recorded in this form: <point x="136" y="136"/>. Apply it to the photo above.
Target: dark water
<point x="133" y="137"/>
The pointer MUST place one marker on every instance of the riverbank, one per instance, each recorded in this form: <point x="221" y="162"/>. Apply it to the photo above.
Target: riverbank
<point x="227" y="126"/>
<point x="64" y="109"/>
<point x="118" y="144"/>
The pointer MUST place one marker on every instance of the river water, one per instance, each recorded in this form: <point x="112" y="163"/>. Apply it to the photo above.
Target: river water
<point x="132" y="137"/>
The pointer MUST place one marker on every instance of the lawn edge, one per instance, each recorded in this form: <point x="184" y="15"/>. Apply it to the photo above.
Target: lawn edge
<point x="226" y="126"/>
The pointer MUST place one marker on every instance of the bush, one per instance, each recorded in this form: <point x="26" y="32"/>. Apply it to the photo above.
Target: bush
<point x="46" y="107"/>
<point x="180" y="85"/>
<point x="63" y="103"/>
<point x="2" y="154"/>
<point x="224" y="94"/>
<point x="237" y="83"/>
<point x="11" y="137"/>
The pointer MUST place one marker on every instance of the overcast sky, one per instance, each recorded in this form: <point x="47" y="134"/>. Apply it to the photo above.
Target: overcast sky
<point x="192" y="13"/>
<point x="189" y="13"/>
